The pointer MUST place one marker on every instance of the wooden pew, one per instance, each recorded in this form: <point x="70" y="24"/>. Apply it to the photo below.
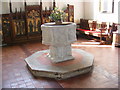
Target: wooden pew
<point x="97" y="29"/>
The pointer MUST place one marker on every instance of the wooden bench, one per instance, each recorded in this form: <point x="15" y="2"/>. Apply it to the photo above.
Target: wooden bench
<point x="100" y="29"/>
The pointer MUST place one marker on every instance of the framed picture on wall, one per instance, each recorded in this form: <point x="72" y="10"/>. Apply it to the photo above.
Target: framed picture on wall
<point x="106" y="6"/>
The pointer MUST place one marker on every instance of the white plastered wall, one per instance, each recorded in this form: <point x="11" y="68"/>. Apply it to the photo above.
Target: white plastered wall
<point x="119" y="16"/>
<point x="91" y="8"/>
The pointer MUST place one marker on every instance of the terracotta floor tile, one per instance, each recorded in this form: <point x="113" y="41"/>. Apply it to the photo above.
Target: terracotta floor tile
<point x="16" y="74"/>
<point x="27" y="80"/>
<point x="22" y="86"/>
<point x="29" y="83"/>
<point x="31" y="86"/>
<point x="21" y="82"/>
<point x="14" y="84"/>
<point x="19" y="79"/>
<point x="38" y="85"/>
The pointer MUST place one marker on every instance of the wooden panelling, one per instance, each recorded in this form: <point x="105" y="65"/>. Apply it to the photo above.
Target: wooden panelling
<point x="22" y="26"/>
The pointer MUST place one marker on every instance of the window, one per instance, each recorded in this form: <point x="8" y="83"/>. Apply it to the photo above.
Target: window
<point x="106" y="6"/>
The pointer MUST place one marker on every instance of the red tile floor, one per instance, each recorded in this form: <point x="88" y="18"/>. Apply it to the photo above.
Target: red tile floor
<point x="16" y="74"/>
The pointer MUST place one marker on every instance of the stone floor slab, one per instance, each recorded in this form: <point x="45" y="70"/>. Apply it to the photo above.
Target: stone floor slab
<point x="40" y="65"/>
